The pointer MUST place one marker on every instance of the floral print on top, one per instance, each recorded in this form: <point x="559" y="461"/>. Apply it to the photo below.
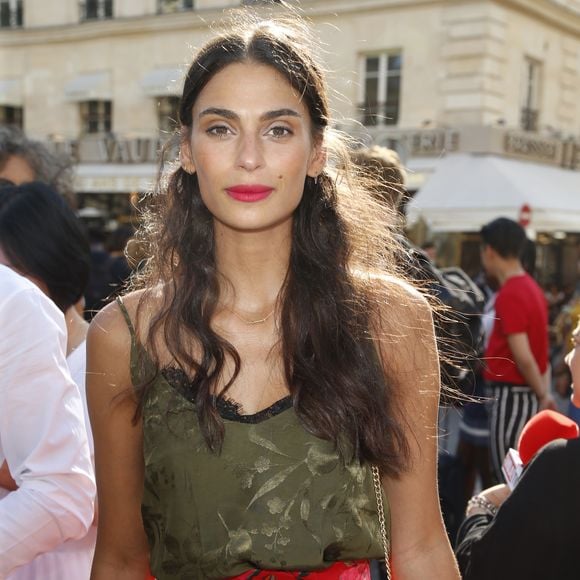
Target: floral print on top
<point x="275" y="498"/>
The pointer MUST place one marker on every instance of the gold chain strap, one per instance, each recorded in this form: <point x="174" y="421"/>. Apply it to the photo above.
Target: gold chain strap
<point x="381" y="511"/>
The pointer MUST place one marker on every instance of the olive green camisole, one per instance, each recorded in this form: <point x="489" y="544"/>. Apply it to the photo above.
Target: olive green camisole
<point x="275" y="498"/>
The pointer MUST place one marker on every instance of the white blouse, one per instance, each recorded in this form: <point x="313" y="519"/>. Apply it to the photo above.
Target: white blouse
<point x="43" y="435"/>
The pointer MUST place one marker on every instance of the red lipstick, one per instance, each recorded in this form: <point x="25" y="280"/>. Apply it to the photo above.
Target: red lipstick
<point x="249" y="193"/>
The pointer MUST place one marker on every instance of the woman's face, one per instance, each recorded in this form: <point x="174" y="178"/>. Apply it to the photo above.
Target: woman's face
<point x="252" y="147"/>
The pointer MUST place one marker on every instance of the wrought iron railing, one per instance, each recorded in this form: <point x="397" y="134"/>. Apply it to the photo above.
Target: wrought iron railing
<point x="11" y="14"/>
<point x="95" y="10"/>
<point x="378" y="114"/>
<point x="529" y="119"/>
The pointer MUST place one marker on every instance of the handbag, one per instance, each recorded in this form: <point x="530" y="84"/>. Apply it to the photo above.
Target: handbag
<point x="382" y="522"/>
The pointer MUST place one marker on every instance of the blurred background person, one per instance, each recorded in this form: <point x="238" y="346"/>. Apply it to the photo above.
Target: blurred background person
<point x="119" y="268"/>
<point x="464" y="447"/>
<point x="110" y="269"/>
<point x="529" y="533"/>
<point x="98" y="289"/>
<point x="41" y="238"/>
<point x="516" y="357"/>
<point x="24" y="160"/>
<point x="42" y="432"/>
<point x="430" y="250"/>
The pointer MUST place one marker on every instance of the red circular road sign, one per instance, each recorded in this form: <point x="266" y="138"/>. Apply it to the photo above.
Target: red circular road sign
<point x="525" y="216"/>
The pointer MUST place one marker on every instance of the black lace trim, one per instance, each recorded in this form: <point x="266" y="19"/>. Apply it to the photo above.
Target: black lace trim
<point x="230" y="410"/>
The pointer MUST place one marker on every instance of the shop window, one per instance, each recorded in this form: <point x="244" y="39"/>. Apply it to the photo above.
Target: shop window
<point x="167" y="6"/>
<point x="167" y="115"/>
<point x="11" y="14"/>
<point x="96" y="117"/>
<point x="96" y="9"/>
<point x="12" y="116"/>
<point x="381" y="87"/>
<point x="531" y="93"/>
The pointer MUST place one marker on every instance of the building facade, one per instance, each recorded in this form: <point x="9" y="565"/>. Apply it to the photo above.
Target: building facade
<point x="435" y="79"/>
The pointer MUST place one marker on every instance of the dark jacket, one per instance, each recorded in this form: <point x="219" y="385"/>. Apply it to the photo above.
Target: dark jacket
<point x="536" y="533"/>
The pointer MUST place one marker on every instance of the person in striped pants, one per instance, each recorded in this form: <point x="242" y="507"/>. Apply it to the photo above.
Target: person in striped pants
<point x="517" y="353"/>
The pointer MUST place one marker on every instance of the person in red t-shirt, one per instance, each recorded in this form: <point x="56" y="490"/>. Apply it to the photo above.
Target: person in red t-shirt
<point x="517" y="353"/>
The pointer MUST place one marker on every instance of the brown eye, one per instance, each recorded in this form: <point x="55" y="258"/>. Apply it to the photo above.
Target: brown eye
<point x="280" y="131"/>
<point x="218" y="130"/>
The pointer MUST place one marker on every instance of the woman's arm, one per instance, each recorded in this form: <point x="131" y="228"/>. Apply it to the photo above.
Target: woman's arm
<point x="420" y="548"/>
<point x="121" y="552"/>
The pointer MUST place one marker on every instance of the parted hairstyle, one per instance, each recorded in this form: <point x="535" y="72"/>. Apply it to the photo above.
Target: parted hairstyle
<point x="42" y="238"/>
<point x="328" y="315"/>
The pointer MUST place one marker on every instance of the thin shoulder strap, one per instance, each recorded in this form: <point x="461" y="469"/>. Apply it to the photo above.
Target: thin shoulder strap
<point x="125" y="313"/>
<point x="141" y="365"/>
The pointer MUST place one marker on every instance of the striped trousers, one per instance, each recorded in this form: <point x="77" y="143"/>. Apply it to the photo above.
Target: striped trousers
<point x="510" y="408"/>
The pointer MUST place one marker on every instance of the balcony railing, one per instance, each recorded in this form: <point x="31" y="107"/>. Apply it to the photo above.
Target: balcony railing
<point x="11" y="14"/>
<point x="259" y="2"/>
<point x="378" y="114"/>
<point x="169" y="6"/>
<point x="529" y="119"/>
<point x="96" y="10"/>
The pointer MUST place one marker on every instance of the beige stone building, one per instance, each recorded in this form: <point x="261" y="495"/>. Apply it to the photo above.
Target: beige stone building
<point x="480" y="98"/>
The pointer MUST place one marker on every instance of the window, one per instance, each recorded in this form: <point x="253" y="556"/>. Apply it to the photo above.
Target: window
<point x="96" y="117"/>
<point x="530" y="111"/>
<point x="11" y="14"/>
<point x="167" y="6"/>
<point x="381" y="89"/>
<point x="96" y="9"/>
<point x="167" y="115"/>
<point x="12" y="116"/>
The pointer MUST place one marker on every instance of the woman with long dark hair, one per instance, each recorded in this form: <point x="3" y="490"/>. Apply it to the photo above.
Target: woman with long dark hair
<point x="272" y="361"/>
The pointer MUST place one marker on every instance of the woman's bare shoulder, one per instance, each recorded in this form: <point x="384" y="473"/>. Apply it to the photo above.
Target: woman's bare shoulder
<point x="401" y="301"/>
<point x="110" y="323"/>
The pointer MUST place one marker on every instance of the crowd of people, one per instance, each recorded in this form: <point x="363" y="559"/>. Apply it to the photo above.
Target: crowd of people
<point x="258" y="396"/>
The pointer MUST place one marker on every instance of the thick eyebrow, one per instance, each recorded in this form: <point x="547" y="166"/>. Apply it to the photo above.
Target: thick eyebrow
<point x="227" y="114"/>
<point x="280" y="113"/>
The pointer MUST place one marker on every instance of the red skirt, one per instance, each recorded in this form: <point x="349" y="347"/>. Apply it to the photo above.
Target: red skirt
<point x="339" y="571"/>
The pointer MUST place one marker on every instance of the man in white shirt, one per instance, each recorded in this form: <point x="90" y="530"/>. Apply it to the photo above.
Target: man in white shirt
<point x="42" y="432"/>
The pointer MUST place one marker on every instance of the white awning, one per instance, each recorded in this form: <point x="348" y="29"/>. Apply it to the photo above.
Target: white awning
<point x="163" y="82"/>
<point x="467" y="191"/>
<point x="11" y="93"/>
<point x="89" y="86"/>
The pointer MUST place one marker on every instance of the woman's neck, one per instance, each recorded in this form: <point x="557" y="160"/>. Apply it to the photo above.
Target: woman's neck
<point x="76" y="329"/>
<point x="255" y="265"/>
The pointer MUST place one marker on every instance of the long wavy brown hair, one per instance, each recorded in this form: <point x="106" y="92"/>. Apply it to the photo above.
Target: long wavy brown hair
<point x="342" y="243"/>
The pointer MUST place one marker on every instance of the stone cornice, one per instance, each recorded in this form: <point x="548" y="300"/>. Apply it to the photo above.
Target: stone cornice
<point x="99" y="29"/>
<point x="546" y="11"/>
<point x="187" y="20"/>
<point x="199" y="20"/>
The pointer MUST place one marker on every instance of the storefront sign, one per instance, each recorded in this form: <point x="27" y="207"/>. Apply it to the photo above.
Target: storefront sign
<point x="421" y="143"/>
<point x="533" y="147"/>
<point x="433" y="142"/>
<point x="111" y="149"/>
<point x="524" y="145"/>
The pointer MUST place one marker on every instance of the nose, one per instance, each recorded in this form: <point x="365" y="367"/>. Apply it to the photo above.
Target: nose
<point x="250" y="153"/>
